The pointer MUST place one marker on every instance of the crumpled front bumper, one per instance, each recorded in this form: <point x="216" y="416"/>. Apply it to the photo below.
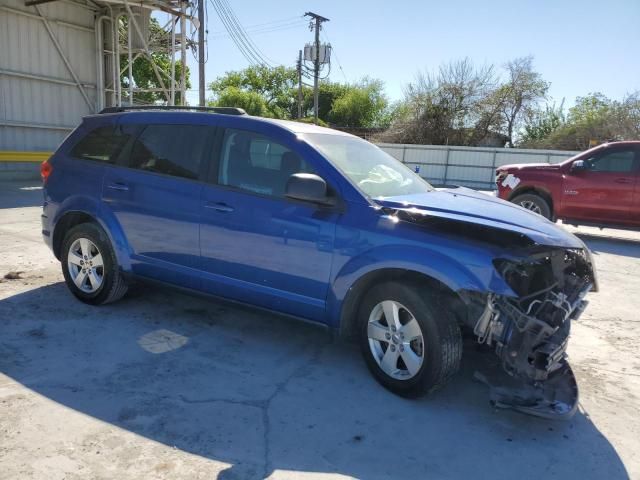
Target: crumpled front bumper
<point x="556" y="398"/>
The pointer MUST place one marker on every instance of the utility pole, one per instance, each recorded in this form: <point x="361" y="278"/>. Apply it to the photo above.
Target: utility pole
<point x="201" y="53"/>
<point x="183" y="51"/>
<point x="299" y="84"/>
<point x="317" y="21"/>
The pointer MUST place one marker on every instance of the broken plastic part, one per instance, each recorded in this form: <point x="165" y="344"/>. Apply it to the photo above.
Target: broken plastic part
<point x="556" y="398"/>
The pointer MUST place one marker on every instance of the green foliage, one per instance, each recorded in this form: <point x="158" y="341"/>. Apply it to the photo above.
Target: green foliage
<point x="361" y="105"/>
<point x="143" y="73"/>
<point x="542" y="124"/>
<point x="459" y="104"/>
<point x="321" y="122"/>
<point x="593" y="119"/>
<point x="252" y="102"/>
<point x="273" y="92"/>
<point x="274" y="85"/>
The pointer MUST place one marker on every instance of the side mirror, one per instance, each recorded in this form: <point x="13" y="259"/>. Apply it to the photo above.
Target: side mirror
<point x="578" y="166"/>
<point x="309" y="188"/>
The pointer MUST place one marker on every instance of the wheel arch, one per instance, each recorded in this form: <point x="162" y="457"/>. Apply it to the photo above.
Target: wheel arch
<point x="73" y="217"/>
<point x="349" y="307"/>
<point x="535" y="190"/>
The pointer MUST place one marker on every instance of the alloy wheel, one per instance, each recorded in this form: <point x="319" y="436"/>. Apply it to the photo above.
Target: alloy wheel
<point x="395" y="340"/>
<point x="533" y="206"/>
<point x="85" y="264"/>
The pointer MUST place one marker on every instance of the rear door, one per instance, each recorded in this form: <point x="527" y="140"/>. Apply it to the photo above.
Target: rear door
<point x="604" y="191"/>
<point x="155" y="196"/>
<point x="257" y="245"/>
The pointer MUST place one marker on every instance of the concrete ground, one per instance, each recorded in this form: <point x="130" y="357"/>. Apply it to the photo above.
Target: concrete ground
<point x="163" y="385"/>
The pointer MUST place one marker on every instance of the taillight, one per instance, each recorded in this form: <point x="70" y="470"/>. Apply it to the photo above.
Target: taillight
<point x="45" y="170"/>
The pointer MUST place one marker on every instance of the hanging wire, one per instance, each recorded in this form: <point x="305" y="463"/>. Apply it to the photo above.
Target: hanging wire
<point x="246" y="53"/>
<point x="333" y="51"/>
<point x="266" y="60"/>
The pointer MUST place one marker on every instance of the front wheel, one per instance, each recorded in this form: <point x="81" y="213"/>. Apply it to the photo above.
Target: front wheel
<point x="410" y="342"/>
<point x="534" y="203"/>
<point x="90" y="266"/>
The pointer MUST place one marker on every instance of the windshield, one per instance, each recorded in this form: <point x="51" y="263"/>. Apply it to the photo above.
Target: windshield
<point x="375" y="172"/>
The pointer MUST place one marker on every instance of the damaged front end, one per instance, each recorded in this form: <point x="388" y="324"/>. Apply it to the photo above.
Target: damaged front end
<point x="530" y="331"/>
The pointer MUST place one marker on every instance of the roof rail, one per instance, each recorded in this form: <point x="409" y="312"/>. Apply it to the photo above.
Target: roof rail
<point x="222" y="110"/>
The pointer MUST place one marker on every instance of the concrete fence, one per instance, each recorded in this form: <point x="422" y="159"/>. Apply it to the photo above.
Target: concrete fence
<point x="472" y="167"/>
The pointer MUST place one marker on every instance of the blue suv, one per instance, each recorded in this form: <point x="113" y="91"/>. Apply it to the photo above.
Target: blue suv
<point x="320" y="225"/>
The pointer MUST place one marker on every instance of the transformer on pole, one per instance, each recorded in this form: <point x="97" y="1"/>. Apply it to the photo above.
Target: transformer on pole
<point x="319" y="56"/>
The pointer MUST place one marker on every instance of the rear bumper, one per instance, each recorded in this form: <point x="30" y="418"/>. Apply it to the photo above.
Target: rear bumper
<point x="47" y="225"/>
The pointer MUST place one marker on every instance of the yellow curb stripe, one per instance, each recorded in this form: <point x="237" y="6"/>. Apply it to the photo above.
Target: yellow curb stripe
<point x="10" y="156"/>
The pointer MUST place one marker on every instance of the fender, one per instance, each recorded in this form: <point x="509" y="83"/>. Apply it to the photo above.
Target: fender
<point x="533" y="185"/>
<point x="94" y="208"/>
<point x="479" y="276"/>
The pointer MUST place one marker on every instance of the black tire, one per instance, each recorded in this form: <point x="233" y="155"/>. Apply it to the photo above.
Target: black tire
<point x="114" y="285"/>
<point x="442" y="345"/>
<point x="534" y="203"/>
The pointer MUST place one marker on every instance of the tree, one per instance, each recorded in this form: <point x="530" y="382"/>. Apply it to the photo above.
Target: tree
<point x="541" y="124"/>
<point x="520" y="94"/>
<point x="593" y="119"/>
<point x="274" y="85"/>
<point x="252" y="102"/>
<point x="143" y="73"/>
<point x="361" y="105"/>
<point x="451" y="106"/>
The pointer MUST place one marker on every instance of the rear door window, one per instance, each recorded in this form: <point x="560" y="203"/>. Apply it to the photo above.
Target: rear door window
<point x="101" y="144"/>
<point x="175" y="150"/>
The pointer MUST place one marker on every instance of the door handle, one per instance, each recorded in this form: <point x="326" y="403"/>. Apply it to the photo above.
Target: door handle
<point x="121" y="187"/>
<point x="623" y="180"/>
<point x="219" y="207"/>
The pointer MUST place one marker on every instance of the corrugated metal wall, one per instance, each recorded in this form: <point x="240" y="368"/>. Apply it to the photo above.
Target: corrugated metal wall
<point x="39" y="99"/>
<point x="469" y="166"/>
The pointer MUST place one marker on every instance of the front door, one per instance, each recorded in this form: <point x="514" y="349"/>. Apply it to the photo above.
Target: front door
<point x="155" y="196"/>
<point x="258" y="246"/>
<point x="603" y="191"/>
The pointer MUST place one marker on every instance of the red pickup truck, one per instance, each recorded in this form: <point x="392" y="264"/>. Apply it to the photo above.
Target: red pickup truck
<point x="599" y="187"/>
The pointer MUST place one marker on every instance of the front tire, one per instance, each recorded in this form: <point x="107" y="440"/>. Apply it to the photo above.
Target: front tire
<point x="90" y="266"/>
<point x="410" y="341"/>
<point x="534" y="203"/>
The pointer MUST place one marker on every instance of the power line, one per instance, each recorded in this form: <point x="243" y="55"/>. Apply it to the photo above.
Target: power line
<point x="333" y="51"/>
<point x="235" y="28"/>
<point x="250" y="56"/>
<point x="231" y="33"/>
<point x="259" y="31"/>
<point x="242" y="32"/>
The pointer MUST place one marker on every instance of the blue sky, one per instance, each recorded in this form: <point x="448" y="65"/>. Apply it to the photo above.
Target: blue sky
<point x="579" y="46"/>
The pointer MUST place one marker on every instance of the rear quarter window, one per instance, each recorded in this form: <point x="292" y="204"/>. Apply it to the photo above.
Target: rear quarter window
<point x="102" y="144"/>
<point x="175" y="150"/>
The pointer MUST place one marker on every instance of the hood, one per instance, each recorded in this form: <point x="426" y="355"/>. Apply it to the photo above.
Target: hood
<point x="468" y="206"/>
<point x="531" y="166"/>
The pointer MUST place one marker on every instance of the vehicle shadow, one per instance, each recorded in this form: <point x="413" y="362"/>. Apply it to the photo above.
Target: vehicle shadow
<point x="18" y="194"/>
<point x="265" y="394"/>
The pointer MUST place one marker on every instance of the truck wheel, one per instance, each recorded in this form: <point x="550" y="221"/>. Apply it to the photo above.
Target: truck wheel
<point x="90" y="267"/>
<point x="410" y="341"/>
<point x="535" y="203"/>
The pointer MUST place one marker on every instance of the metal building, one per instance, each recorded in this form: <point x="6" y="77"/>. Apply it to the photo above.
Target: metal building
<point x="63" y="59"/>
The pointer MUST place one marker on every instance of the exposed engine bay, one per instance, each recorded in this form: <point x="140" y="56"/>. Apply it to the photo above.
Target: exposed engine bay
<point x="530" y="332"/>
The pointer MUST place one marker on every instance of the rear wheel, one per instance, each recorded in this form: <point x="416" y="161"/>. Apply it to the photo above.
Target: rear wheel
<point x="90" y="266"/>
<point x="534" y="203"/>
<point x="410" y="342"/>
